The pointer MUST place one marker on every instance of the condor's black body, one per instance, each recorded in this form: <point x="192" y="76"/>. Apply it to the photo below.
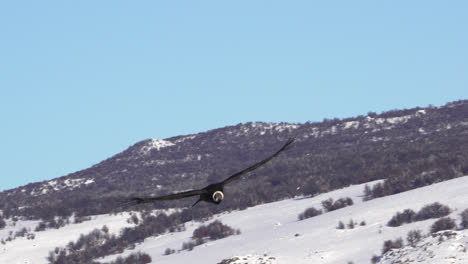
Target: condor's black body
<point x="213" y="193"/>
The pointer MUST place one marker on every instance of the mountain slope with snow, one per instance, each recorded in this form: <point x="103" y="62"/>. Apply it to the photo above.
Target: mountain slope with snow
<point x="412" y="147"/>
<point x="442" y="247"/>
<point x="273" y="229"/>
<point x="34" y="251"/>
<point x="272" y="233"/>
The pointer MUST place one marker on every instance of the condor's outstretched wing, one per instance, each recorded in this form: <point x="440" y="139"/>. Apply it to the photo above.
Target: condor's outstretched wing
<point x="253" y="167"/>
<point x="137" y="200"/>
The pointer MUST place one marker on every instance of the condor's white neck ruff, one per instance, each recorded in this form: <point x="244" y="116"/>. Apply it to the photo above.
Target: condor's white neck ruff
<point x="218" y="196"/>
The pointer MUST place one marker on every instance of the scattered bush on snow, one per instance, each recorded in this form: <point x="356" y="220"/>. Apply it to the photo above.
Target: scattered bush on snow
<point x="434" y="210"/>
<point x="445" y="223"/>
<point x="330" y="205"/>
<point x="464" y="219"/>
<point x="389" y="245"/>
<point x="215" y="230"/>
<point x="309" y="212"/>
<point x="413" y="237"/>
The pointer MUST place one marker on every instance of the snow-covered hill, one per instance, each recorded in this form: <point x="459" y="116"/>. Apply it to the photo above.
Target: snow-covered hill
<point x="441" y="247"/>
<point x="410" y="147"/>
<point x="26" y="251"/>
<point x="271" y="233"/>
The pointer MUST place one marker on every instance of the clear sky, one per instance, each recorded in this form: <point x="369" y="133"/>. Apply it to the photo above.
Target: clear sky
<point x="82" y="80"/>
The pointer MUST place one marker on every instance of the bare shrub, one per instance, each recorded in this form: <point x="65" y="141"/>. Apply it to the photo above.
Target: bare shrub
<point x="341" y="225"/>
<point x="464" y="219"/>
<point x="215" y="230"/>
<point x="169" y="251"/>
<point x="407" y="216"/>
<point x="330" y="205"/>
<point x="445" y="223"/>
<point x="413" y="237"/>
<point x="309" y="212"/>
<point x="434" y="210"/>
<point x="389" y="245"/>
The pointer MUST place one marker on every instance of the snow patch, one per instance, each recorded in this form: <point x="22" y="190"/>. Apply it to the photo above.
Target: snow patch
<point x="331" y="131"/>
<point x="283" y="127"/>
<point x="52" y="183"/>
<point x="376" y="139"/>
<point x="57" y="185"/>
<point x="251" y="259"/>
<point x="264" y="128"/>
<point x="89" y="181"/>
<point x="388" y="121"/>
<point x="155" y="144"/>
<point x="180" y="140"/>
<point x="351" y="124"/>
<point x="400" y="119"/>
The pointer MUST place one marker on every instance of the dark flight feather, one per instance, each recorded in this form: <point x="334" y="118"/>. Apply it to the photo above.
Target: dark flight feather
<point x="137" y="200"/>
<point x="253" y="167"/>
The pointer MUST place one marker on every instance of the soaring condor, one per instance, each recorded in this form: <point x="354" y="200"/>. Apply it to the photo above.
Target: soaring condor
<point x="212" y="193"/>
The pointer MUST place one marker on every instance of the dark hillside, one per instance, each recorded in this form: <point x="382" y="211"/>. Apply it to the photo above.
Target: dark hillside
<point x="410" y="148"/>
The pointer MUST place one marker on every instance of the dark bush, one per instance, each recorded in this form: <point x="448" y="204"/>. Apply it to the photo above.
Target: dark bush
<point x="309" y="212"/>
<point x="343" y="202"/>
<point x="389" y="245"/>
<point x="375" y="259"/>
<point x="398" y="219"/>
<point x="329" y="205"/>
<point x="464" y="219"/>
<point x="81" y="219"/>
<point x="2" y="223"/>
<point x="213" y="231"/>
<point x="188" y="245"/>
<point x="445" y="223"/>
<point x="169" y="251"/>
<point x="135" y="258"/>
<point x="341" y="225"/>
<point x="41" y="226"/>
<point x="367" y="193"/>
<point x="134" y="220"/>
<point x="413" y="237"/>
<point x="434" y="210"/>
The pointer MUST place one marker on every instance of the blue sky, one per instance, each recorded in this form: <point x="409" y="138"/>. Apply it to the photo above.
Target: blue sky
<point x="82" y="80"/>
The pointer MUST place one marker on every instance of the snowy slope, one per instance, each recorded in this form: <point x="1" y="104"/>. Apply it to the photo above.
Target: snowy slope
<point x="271" y="232"/>
<point x="442" y="247"/>
<point x="24" y="251"/>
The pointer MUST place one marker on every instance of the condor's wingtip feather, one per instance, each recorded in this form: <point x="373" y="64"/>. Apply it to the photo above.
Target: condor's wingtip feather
<point x="131" y="202"/>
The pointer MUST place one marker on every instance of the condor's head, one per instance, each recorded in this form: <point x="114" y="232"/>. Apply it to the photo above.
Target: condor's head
<point x="217" y="197"/>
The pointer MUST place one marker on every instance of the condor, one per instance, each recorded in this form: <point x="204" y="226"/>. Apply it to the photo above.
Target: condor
<point x="212" y="193"/>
